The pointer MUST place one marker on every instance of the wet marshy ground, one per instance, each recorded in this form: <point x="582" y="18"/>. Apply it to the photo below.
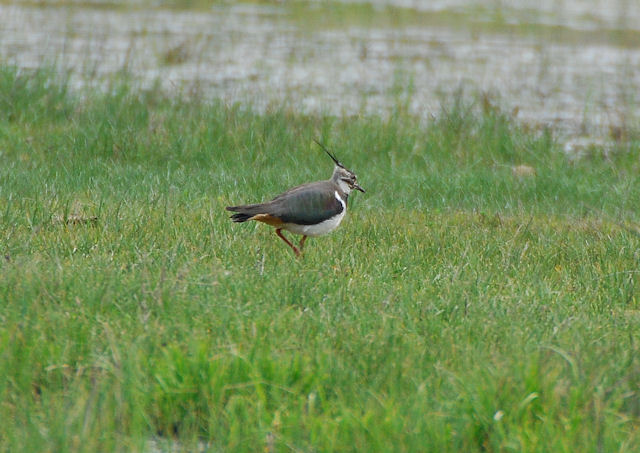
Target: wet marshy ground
<point x="573" y="65"/>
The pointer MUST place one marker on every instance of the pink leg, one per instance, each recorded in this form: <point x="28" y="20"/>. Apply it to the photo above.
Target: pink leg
<point x="304" y="238"/>
<point x="295" y="249"/>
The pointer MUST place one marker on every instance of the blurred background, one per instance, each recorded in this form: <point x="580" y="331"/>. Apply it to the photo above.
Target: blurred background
<point x="569" y="65"/>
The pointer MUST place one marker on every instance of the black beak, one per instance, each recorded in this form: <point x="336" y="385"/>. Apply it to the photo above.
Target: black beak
<point x="357" y="187"/>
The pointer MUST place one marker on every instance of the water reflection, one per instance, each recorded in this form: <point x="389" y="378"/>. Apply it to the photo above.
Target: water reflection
<point x="263" y="54"/>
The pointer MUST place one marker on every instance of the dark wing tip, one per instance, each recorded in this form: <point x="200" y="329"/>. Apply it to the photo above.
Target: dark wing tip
<point x="241" y="217"/>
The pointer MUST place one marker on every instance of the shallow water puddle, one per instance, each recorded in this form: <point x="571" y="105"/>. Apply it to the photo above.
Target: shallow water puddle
<point x="536" y="60"/>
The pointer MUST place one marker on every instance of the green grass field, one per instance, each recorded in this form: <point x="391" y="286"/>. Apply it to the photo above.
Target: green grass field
<point x="457" y="308"/>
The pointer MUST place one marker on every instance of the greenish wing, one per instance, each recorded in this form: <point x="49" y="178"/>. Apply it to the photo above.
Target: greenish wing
<point x="307" y="207"/>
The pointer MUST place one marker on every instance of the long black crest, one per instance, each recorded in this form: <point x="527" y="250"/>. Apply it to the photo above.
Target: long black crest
<point x="334" y="158"/>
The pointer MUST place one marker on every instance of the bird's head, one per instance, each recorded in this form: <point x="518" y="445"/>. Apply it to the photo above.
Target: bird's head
<point x="345" y="178"/>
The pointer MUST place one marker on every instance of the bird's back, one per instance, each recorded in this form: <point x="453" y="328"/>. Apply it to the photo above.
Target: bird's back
<point x="306" y="204"/>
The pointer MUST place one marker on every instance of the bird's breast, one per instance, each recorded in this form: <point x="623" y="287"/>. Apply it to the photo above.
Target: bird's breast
<point x="324" y="227"/>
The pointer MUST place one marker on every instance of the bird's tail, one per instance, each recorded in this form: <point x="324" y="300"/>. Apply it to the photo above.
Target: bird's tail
<point x="241" y="217"/>
<point x="245" y="212"/>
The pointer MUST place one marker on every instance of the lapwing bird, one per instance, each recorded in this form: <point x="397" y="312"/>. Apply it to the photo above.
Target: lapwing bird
<point x="311" y="209"/>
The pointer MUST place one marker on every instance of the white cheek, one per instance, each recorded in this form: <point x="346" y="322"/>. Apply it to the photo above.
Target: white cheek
<point x="344" y="186"/>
